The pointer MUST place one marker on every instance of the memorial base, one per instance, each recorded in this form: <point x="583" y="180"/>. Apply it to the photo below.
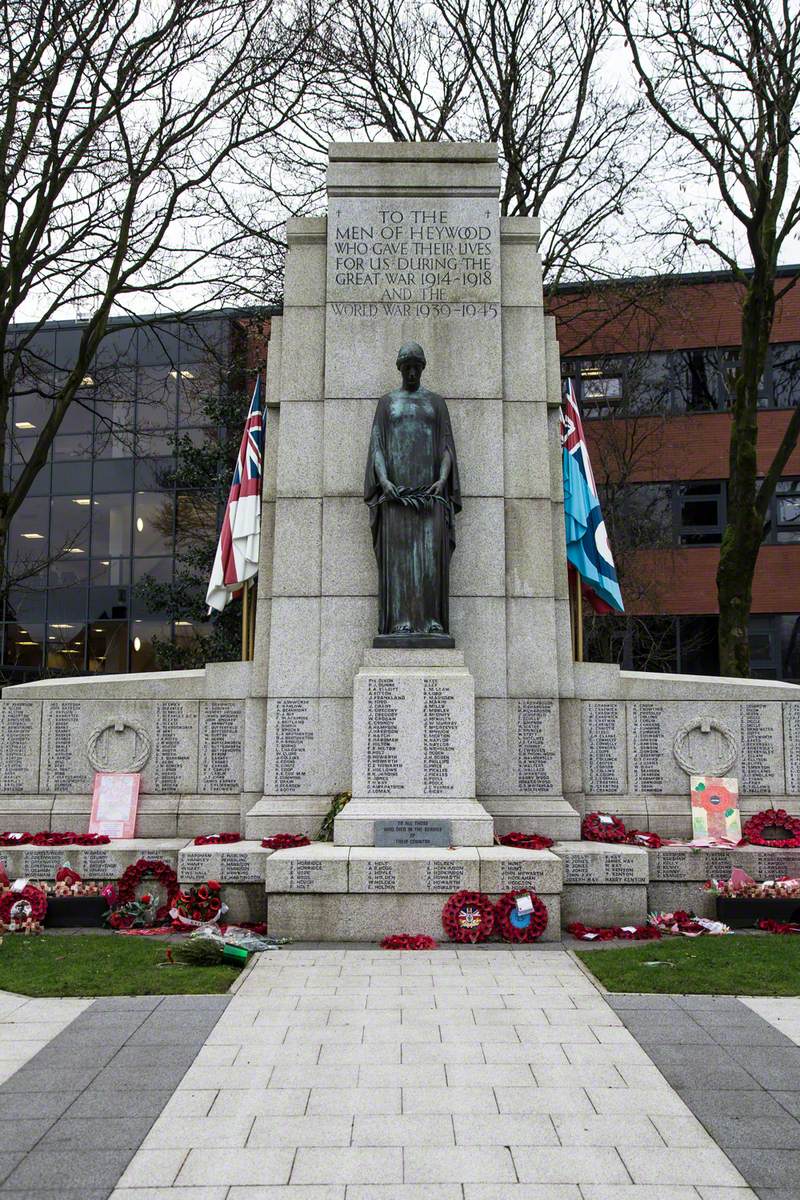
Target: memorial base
<point x="470" y="824"/>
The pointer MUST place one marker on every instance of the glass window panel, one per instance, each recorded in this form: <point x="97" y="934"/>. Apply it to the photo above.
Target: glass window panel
<point x="23" y="645"/>
<point x="33" y="403"/>
<point x="69" y="446"/>
<point x="159" y="344"/>
<point x="109" y="604"/>
<point x="111" y="525"/>
<point x="155" y="445"/>
<point x="115" y="416"/>
<point x="71" y="477"/>
<point x="24" y="604"/>
<point x="110" y="475"/>
<point x="699" y="652"/>
<point x="187" y="631"/>
<point x="152" y="523"/>
<point x="156" y="397"/>
<point x="106" y="572"/>
<point x="198" y="394"/>
<point x="66" y="647"/>
<point x="69" y="526"/>
<point x="28" y="537"/>
<point x="159" y="569"/>
<point x="108" y="647"/>
<point x="196" y="514"/>
<point x="79" y="417"/>
<point x="154" y="474"/>
<point x="789" y="626"/>
<point x="786" y="375"/>
<point x="143" y="636"/>
<point x="66" y="601"/>
<point x="22" y="448"/>
<point x="699" y="512"/>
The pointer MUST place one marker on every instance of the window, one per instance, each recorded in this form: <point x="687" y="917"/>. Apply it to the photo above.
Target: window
<point x="786" y="375"/>
<point x="700" y="513"/>
<point x="600" y="387"/>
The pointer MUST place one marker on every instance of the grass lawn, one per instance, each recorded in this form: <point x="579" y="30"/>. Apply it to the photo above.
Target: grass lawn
<point x="89" y="965"/>
<point x="727" y="966"/>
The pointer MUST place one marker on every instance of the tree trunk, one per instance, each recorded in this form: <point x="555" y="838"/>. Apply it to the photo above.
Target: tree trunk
<point x="744" y="530"/>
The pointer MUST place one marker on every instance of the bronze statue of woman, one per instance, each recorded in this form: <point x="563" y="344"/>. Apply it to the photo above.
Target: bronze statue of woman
<point x="413" y="493"/>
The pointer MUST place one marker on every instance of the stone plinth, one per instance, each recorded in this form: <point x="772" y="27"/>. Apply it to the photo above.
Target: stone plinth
<point x="237" y="863"/>
<point x="414" y="747"/>
<point x="603" y="884"/>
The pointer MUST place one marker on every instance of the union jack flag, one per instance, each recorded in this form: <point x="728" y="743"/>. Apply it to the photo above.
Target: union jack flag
<point x="237" y="551"/>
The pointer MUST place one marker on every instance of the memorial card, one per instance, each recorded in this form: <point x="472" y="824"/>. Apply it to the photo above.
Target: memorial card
<point x="715" y="811"/>
<point x="115" y="801"/>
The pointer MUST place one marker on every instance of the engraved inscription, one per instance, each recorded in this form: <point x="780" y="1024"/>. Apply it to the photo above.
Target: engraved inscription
<point x="303" y="874"/>
<point x="64" y="767"/>
<point x="101" y="864"/>
<point x="604" y="734"/>
<point x="791" y="742"/>
<point x="535" y="756"/>
<point x="293" y="737"/>
<point x="383" y="736"/>
<point x="381" y="876"/>
<point x="647" y="742"/>
<point x="20" y="725"/>
<point x="221" y="741"/>
<point x="175" y="731"/>
<point x="227" y="868"/>
<point x="519" y="876"/>
<point x="437" y="738"/>
<point x="443" y="876"/>
<point x="43" y="864"/>
<point x="758" y="748"/>
<point x="413" y="260"/>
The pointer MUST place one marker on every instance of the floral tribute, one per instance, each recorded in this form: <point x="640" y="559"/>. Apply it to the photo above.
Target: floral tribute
<point x="607" y="933"/>
<point x="602" y="827"/>
<point x="45" y="838"/>
<point x="285" y="841"/>
<point x="69" y="883"/>
<point x="217" y="839"/>
<point x="514" y="925"/>
<point x="770" y="926"/>
<point x="741" y="887"/>
<point x="409" y="941"/>
<point x="132" y="911"/>
<point x="197" y="905"/>
<point x="468" y="917"/>
<point x="23" y="911"/>
<point x="643" y="837"/>
<point x="769" y="820"/>
<point x="686" y="923"/>
<point x="525" y="841"/>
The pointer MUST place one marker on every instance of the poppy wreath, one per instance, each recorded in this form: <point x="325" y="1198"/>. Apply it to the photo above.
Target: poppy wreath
<point x="409" y="941"/>
<point x="607" y="933"/>
<point x="146" y="869"/>
<point x="514" y="926"/>
<point x="643" y="837"/>
<point x="468" y="917"/>
<point x="285" y="841"/>
<point x="525" y="841"/>
<point x="198" y="904"/>
<point x="217" y="839"/>
<point x="46" y="838"/>
<point x="772" y="818"/>
<point x="32" y="896"/>
<point x="770" y="926"/>
<point x="602" y="827"/>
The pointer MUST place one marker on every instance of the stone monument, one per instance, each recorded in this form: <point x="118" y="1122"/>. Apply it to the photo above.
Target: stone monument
<point x="465" y="716"/>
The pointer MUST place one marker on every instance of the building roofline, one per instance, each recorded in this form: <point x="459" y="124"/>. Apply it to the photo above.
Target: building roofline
<point x="678" y="278"/>
<point x="201" y="314"/>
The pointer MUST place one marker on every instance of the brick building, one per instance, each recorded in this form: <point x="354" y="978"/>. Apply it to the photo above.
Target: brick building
<point x="651" y="360"/>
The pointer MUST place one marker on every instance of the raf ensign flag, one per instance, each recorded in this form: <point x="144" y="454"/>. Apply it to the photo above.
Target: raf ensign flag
<point x="588" y="551"/>
<point x="237" y="552"/>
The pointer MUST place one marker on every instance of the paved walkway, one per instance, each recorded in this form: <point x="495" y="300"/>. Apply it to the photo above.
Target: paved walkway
<point x="476" y="1074"/>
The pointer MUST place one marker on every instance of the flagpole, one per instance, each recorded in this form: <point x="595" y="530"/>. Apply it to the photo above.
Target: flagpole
<point x="578" y="618"/>
<point x="245" y="621"/>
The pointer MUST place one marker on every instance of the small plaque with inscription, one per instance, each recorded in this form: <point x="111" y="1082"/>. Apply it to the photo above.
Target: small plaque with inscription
<point x="417" y="832"/>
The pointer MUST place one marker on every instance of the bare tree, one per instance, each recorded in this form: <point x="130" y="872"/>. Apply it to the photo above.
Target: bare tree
<point x="724" y="80"/>
<point x="123" y="128"/>
<point x="524" y="73"/>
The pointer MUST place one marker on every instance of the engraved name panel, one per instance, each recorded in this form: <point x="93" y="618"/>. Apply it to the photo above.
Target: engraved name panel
<point x="604" y="766"/>
<point x="221" y="736"/>
<point x="20" y="732"/>
<point x="648" y="746"/>
<point x="173" y="765"/>
<point x="538" y="747"/>
<point x="761" y="749"/>
<point x="289" y="749"/>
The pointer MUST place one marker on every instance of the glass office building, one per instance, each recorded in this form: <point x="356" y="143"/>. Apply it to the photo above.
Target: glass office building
<point x="103" y="513"/>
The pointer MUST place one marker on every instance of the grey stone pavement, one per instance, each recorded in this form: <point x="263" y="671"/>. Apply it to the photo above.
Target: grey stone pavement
<point x="359" y="1074"/>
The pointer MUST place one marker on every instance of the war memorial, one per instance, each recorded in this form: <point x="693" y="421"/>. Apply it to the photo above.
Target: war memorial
<point x="413" y="641"/>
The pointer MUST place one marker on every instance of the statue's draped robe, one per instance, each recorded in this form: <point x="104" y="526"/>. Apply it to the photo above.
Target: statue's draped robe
<point x="413" y="545"/>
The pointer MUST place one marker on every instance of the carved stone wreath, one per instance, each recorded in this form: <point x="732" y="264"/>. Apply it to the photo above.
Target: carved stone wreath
<point x="141" y="751"/>
<point x="726" y="759"/>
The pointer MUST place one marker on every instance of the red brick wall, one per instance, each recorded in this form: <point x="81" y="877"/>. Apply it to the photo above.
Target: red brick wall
<point x="684" y="580"/>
